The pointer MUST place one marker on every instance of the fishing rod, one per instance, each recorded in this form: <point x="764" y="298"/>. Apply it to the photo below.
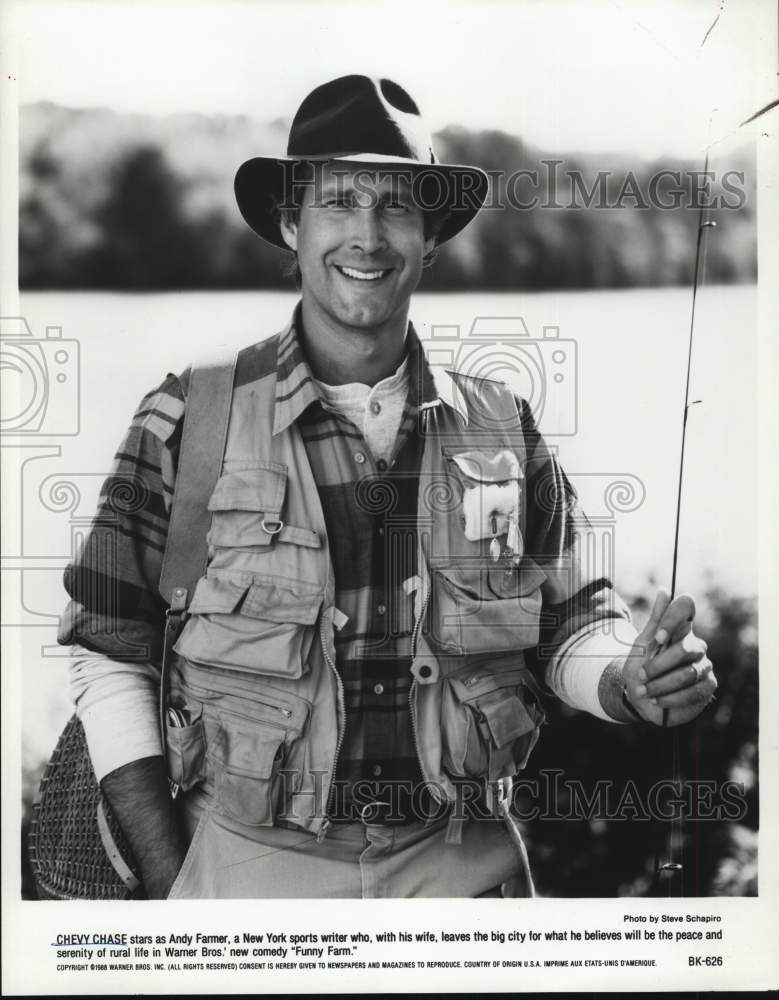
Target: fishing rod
<point x="671" y="866"/>
<point x="674" y="868"/>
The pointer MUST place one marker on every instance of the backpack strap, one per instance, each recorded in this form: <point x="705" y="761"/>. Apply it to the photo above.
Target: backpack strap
<point x="203" y="438"/>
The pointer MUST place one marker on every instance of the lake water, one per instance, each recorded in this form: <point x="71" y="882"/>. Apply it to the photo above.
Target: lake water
<point x="620" y="356"/>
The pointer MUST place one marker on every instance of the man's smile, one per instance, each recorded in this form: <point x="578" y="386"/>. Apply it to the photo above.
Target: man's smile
<point x="356" y="275"/>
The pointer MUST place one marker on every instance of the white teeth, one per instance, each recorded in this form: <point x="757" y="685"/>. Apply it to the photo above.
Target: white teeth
<point x="350" y="272"/>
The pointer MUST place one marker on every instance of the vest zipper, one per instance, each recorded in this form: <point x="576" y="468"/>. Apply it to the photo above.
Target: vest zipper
<point x="417" y="628"/>
<point x="207" y="695"/>
<point x="411" y="692"/>
<point x="418" y="623"/>
<point x="341" y="733"/>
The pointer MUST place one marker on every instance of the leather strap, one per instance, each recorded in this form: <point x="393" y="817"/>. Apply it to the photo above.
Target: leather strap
<point x="124" y="872"/>
<point x="200" y="463"/>
<point x="203" y="437"/>
<point x="174" y="622"/>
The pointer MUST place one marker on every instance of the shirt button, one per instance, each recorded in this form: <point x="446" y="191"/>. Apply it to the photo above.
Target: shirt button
<point x="381" y="532"/>
<point x="381" y="608"/>
<point x="381" y="465"/>
<point x="359" y="457"/>
<point x="376" y="770"/>
<point x="378" y="689"/>
<point x="375" y="406"/>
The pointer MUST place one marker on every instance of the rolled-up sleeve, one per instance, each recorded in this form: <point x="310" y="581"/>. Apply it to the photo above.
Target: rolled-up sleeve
<point x="585" y="624"/>
<point x="115" y="618"/>
<point x="117" y="704"/>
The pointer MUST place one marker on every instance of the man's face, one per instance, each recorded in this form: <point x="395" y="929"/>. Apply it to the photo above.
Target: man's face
<point x="360" y="242"/>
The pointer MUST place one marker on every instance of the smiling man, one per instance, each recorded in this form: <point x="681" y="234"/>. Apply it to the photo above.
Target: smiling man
<point x="394" y="583"/>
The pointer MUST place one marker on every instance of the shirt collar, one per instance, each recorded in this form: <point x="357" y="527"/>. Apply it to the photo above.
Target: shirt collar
<point x="296" y="388"/>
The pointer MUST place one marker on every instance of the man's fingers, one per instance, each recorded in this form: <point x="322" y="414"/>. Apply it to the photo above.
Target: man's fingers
<point x="676" y="620"/>
<point x="698" y="694"/>
<point x="694" y="669"/>
<point x="662" y="599"/>
<point x="687" y="650"/>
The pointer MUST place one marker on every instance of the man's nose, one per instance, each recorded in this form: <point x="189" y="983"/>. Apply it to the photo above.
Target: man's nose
<point x="367" y="232"/>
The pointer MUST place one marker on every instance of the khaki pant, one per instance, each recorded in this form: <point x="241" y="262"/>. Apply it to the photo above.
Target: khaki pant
<point x="227" y="860"/>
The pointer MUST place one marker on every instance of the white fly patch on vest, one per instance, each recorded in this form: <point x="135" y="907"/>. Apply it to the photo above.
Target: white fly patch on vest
<point x="491" y="496"/>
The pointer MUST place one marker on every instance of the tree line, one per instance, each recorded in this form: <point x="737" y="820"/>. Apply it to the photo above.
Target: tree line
<point x="108" y="203"/>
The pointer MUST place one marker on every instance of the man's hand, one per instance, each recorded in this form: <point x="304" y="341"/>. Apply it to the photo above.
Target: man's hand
<point x="667" y="666"/>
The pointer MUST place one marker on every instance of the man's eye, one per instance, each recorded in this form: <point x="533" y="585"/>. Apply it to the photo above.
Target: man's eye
<point x="335" y="203"/>
<point x="396" y="207"/>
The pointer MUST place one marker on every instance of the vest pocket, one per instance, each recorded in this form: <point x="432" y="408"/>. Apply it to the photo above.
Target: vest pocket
<point x="489" y="483"/>
<point x="480" y="609"/>
<point x="246" y="505"/>
<point x="247" y="760"/>
<point x="252" y="732"/>
<point x="246" y="511"/>
<point x="489" y="723"/>
<point x="185" y="751"/>
<point x="265" y="627"/>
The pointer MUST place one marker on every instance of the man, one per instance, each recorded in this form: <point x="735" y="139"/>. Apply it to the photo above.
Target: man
<point x="390" y="581"/>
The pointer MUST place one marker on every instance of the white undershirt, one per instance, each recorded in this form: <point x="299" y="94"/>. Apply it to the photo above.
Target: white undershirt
<point x="376" y="411"/>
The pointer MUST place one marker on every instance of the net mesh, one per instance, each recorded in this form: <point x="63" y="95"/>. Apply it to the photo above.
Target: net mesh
<point x="66" y="852"/>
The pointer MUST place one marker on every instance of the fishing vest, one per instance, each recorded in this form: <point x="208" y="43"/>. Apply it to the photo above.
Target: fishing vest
<point x="253" y="678"/>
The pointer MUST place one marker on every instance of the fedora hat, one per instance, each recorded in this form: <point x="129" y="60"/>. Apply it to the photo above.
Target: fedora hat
<point x="357" y="119"/>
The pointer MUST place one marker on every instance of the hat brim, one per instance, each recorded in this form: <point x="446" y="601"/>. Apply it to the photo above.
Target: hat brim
<point x="461" y="190"/>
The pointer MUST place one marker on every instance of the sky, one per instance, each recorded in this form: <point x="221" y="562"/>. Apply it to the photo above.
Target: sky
<point x="586" y="75"/>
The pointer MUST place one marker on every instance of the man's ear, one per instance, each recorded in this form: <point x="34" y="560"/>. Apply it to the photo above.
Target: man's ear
<point x="430" y="245"/>
<point x="289" y="233"/>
